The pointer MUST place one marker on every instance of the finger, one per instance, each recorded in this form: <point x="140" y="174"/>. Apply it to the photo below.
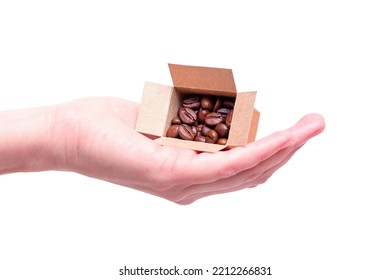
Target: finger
<point x="260" y="179"/>
<point x="250" y="177"/>
<point x="244" y="185"/>
<point x="208" y="167"/>
<point x="306" y="128"/>
<point x="192" y="198"/>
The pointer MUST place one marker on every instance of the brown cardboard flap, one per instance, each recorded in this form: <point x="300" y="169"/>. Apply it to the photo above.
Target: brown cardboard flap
<point x="254" y="125"/>
<point x="152" y="117"/>
<point x="197" y="146"/>
<point x="240" y="129"/>
<point x="202" y="79"/>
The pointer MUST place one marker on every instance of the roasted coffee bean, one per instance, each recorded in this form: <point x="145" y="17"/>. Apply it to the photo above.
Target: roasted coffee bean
<point x="213" y="135"/>
<point x="176" y="120"/>
<point x="228" y="103"/>
<point x="217" y="105"/>
<point x="173" y="131"/>
<point x="191" y="99"/>
<point x="205" y="129"/>
<point x="222" y="141"/>
<point x="213" y="119"/>
<point x="223" y="111"/>
<point x="203" y="118"/>
<point x="185" y="132"/>
<point x="200" y="138"/>
<point x="192" y="106"/>
<point x="187" y="115"/>
<point x="229" y="118"/>
<point x="207" y="103"/>
<point x="202" y="115"/>
<point x="222" y="130"/>
<point x="191" y="102"/>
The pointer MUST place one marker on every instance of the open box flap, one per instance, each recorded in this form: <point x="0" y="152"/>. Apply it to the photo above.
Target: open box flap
<point x="243" y="119"/>
<point x="203" y="79"/>
<point x="152" y="116"/>
<point x="254" y="125"/>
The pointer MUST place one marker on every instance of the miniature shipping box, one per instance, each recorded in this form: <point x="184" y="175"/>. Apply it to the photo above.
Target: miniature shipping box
<point x="160" y="103"/>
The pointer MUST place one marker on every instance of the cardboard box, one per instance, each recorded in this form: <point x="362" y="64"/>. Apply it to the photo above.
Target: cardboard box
<point x="160" y="103"/>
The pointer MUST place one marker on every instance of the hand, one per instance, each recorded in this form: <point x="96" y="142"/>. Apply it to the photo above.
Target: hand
<point x="96" y="137"/>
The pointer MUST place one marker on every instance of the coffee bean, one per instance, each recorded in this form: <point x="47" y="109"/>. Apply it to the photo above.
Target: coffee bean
<point x="228" y="103"/>
<point x="229" y="118"/>
<point x="223" y="111"/>
<point x="199" y="130"/>
<point x="213" y="135"/>
<point x="175" y="120"/>
<point x="202" y="115"/>
<point x="200" y="138"/>
<point x="173" y="131"/>
<point x="217" y="105"/>
<point x="194" y="129"/>
<point x="207" y="103"/>
<point x="213" y="119"/>
<point x="222" y="130"/>
<point x="187" y="115"/>
<point x="191" y="102"/>
<point x="185" y="132"/>
<point x="205" y="129"/>
<point x="191" y="98"/>
<point x="222" y="141"/>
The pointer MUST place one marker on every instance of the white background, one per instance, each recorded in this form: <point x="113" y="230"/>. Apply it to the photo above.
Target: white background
<point x="325" y="215"/>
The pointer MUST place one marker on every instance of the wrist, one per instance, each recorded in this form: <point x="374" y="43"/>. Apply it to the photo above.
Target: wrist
<point x="26" y="140"/>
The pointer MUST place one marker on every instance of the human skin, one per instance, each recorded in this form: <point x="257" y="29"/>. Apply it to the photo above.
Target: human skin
<point x="96" y="137"/>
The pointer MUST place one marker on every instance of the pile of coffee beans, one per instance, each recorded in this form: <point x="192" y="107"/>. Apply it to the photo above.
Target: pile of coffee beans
<point x="203" y="118"/>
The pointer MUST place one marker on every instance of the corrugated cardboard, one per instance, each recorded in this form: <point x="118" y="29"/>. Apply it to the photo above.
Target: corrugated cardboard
<point x="160" y="103"/>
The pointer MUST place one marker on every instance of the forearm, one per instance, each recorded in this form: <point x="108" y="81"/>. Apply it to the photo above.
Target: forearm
<point x="26" y="142"/>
